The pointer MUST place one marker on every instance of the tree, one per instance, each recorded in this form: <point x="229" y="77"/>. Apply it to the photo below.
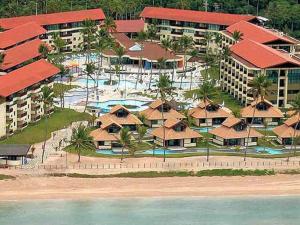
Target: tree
<point x="161" y="64"/>
<point x="165" y="89"/>
<point x="120" y="52"/>
<point x="44" y="50"/>
<point x="206" y="92"/>
<point x="152" y="32"/>
<point x="237" y="35"/>
<point x="296" y="108"/>
<point x="81" y="140"/>
<point x="259" y="88"/>
<point x="175" y="48"/>
<point x="186" y="43"/>
<point x="89" y="70"/>
<point x="142" y="130"/>
<point x="141" y="37"/>
<point x="208" y="36"/>
<point x="88" y="32"/>
<point x="225" y="54"/>
<point x="109" y="25"/>
<point x="193" y="53"/>
<point x="125" y="139"/>
<point x="47" y="99"/>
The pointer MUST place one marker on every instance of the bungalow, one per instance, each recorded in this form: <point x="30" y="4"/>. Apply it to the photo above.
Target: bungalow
<point x="208" y="114"/>
<point x="288" y="130"/>
<point x="107" y="136"/>
<point x="233" y="132"/>
<point x="120" y="115"/>
<point x="263" y="112"/>
<point x="13" y="155"/>
<point x="153" y="115"/>
<point x="175" y="133"/>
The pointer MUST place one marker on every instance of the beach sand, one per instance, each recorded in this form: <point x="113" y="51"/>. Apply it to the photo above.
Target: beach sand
<point x="27" y="187"/>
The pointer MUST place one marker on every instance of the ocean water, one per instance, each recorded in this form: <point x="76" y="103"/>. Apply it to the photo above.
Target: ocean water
<point x="154" y="211"/>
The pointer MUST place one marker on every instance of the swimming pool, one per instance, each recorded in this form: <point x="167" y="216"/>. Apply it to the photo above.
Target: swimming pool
<point x="136" y="105"/>
<point x="270" y="151"/>
<point x="202" y="129"/>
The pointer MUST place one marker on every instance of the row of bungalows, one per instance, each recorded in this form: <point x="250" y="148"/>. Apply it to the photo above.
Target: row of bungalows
<point x="169" y="129"/>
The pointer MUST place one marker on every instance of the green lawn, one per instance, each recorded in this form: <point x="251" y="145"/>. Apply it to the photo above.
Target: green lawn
<point x="35" y="132"/>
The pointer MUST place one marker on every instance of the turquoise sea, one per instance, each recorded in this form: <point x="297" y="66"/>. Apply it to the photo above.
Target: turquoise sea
<point x="154" y="211"/>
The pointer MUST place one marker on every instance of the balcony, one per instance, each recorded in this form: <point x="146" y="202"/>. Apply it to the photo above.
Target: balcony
<point x="22" y="125"/>
<point x="199" y="34"/>
<point x="177" y="32"/>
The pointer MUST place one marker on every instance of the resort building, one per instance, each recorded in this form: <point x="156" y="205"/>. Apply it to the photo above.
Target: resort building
<point x="234" y="132"/>
<point x="269" y="37"/>
<point x="174" y="23"/>
<point x="175" y="133"/>
<point x="288" y="130"/>
<point x="119" y="115"/>
<point x="67" y="24"/>
<point x="13" y="155"/>
<point x="20" y="93"/>
<point x="263" y="113"/>
<point x="248" y="59"/>
<point x="146" y="54"/>
<point x="129" y="27"/>
<point x="158" y="112"/>
<point x="209" y="114"/>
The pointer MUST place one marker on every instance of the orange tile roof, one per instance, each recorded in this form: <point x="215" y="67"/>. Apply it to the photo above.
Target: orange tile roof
<point x="102" y="135"/>
<point x="258" y="33"/>
<point x="226" y="131"/>
<point x="271" y="112"/>
<point x="26" y="76"/>
<point x="111" y="118"/>
<point x="129" y="26"/>
<point x="19" y="34"/>
<point x="193" y="16"/>
<point x="21" y="53"/>
<point x="168" y="133"/>
<point x="155" y="114"/>
<point x="286" y="130"/>
<point x="267" y="57"/>
<point x="199" y="112"/>
<point x="150" y="50"/>
<point x="53" y="18"/>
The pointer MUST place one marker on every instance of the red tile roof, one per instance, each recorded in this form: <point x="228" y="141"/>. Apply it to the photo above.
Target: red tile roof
<point x="262" y="56"/>
<point x="19" y="34"/>
<point x="26" y="76"/>
<point x="129" y="26"/>
<point x="21" y="53"/>
<point x="193" y="16"/>
<point x="53" y="18"/>
<point x="257" y="33"/>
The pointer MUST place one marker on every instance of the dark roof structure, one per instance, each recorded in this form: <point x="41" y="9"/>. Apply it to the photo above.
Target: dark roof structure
<point x="14" y="150"/>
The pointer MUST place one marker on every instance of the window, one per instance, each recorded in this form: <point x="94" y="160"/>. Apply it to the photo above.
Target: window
<point x="273" y="76"/>
<point x="294" y="76"/>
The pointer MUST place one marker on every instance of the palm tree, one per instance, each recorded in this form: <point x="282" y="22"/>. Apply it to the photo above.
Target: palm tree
<point x="186" y="43"/>
<point x="44" y="50"/>
<point x="259" y="89"/>
<point x="237" y="35"/>
<point x="208" y="38"/>
<point x="89" y="70"/>
<point x="88" y="34"/>
<point x="109" y="25"/>
<point x="141" y="37"/>
<point x="120" y="52"/>
<point x="161" y="62"/>
<point x="165" y="89"/>
<point x="152" y="32"/>
<point x="206" y="92"/>
<point x="47" y="99"/>
<point x="193" y="53"/>
<point x="125" y="139"/>
<point x="296" y="108"/>
<point x="225" y="54"/>
<point x="142" y="130"/>
<point x="175" y="48"/>
<point x="81" y="139"/>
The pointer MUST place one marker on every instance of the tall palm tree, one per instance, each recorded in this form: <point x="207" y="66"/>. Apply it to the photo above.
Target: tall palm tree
<point x="89" y="70"/>
<point x="175" y="48"/>
<point x="193" y="53"/>
<point x="109" y="25"/>
<point x="296" y="108"/>
<point x="205" y="92"/>
<point x="88" y="32"/>
<point x="81" y="140"/>
<point x="165" y="89"/>
<point x="208" y="36"/>
<point x="237" y="35"/>
<point x="120" y="52"/>
<point x="141" y="37"/>
<point x="125" y="139"/>
<point x="186" y="43"/>
<point x="47" y="99"/>
<point x="152" y="32"/>
<point x="44" y="50"/>
<point x="225" y="54"/>
<point x="260" y="86"/>
<point x="161" y="62"/>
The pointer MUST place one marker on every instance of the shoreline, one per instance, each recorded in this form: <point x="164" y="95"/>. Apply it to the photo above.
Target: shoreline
<point x="53" y="188"/>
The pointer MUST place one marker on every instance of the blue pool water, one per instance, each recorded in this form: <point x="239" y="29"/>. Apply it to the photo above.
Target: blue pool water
<point x="202" y="129"/>
<point x="270" y="151"/>
<point x="107" y="105"/>
<point x="154" y="211"/>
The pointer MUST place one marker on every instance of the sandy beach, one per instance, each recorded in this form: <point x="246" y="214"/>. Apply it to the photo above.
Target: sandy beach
<point x="34" y="188"/>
